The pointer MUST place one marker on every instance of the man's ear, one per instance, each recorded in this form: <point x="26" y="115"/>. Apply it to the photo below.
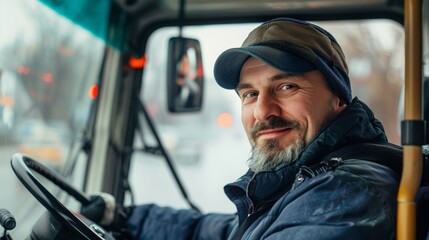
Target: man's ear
<point x="340" y="104"/>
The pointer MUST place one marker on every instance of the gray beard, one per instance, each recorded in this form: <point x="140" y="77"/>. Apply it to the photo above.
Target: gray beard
<point x="269" y="156"/>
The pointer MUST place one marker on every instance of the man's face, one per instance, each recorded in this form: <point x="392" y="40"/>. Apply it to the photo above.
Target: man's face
<point x="281" y="112"/>
<point x="183" y="70"/>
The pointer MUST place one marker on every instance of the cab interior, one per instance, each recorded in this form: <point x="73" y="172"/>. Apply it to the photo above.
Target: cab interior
<point x="122" y="123"/>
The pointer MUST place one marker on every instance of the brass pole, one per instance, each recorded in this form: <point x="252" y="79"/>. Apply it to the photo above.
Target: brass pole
<point x="412" y="159"/>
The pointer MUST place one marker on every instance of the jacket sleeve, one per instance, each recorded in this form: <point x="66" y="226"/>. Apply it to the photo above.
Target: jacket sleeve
<point x="153" y="222"/>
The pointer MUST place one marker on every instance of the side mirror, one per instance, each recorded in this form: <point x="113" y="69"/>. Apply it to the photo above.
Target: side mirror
<point x="185" y="75"/>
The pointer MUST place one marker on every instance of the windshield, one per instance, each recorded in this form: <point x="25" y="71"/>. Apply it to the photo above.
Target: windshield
<point x="48" y="74"/>
<point x="210" y="148"/>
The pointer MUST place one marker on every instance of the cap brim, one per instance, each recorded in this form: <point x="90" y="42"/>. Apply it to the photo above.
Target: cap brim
<point x="228" y="65"/>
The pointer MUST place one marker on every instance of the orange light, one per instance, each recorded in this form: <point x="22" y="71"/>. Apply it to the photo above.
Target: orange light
<point x="6" y="101"/>
<point x="23" y="70"/>
<point x="224" y="120"/>
<point x="47" y="78"/>
<point x="67" y="52"/>
<point x="200" y="71"/>
<point x="93" y="91"/>
<point x="49" y="153"/>
<point x="137" y="62"/>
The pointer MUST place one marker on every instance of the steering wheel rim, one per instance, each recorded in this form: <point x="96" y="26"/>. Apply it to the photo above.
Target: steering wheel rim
<point x="21" y="165"/>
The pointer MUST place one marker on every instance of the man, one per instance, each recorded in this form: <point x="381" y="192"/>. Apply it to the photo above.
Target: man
<point x="188" y="91"/>
<point x="297" y="111"/>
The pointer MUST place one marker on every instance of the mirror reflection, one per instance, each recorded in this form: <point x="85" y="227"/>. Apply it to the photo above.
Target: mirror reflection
<point x="185" y="75"/>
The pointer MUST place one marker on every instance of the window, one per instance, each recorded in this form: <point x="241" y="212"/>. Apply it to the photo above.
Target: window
<point x="210" y="148"/>
<point x="47" y="66"/>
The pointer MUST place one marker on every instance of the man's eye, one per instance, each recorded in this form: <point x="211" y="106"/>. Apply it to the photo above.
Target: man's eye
<point x="287" y="87"/>
<point x="248" y="95"/>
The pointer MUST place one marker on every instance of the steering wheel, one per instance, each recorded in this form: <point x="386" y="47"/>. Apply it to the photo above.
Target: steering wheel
<point x="21" y="165"/>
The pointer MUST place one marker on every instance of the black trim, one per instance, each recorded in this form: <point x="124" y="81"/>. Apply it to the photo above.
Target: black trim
<point x="413" y="132"/>
<point x="249" y="221"/>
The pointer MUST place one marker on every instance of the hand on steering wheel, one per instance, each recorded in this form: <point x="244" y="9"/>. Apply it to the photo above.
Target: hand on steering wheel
<point x="21" y="165"/>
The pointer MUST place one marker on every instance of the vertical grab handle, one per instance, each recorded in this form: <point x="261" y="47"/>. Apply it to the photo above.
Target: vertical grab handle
<point x="412" y="159"/>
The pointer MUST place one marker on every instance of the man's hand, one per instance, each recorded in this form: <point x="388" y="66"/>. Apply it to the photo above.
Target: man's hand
<point x="101" y="209"/>
<point x="104" y="211"/>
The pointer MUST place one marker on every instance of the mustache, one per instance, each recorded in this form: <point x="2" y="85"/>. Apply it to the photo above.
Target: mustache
<point x="272" y="123"/>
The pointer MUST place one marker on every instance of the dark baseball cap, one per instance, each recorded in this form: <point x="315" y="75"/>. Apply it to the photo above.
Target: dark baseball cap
<point x="292" y="46"/>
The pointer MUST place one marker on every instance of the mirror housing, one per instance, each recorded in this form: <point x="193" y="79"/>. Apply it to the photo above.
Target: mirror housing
<point x="185" y="75"/>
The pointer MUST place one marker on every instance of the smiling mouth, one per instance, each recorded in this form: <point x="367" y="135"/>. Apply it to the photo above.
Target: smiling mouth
<point x="273" y="132"/>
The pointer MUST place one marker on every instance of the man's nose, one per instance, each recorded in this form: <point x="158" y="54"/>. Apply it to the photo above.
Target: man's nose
<point x="266" y="107"/>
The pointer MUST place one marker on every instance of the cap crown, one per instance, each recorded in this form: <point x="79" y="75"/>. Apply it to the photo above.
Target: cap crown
<point x="310" y="38"/>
